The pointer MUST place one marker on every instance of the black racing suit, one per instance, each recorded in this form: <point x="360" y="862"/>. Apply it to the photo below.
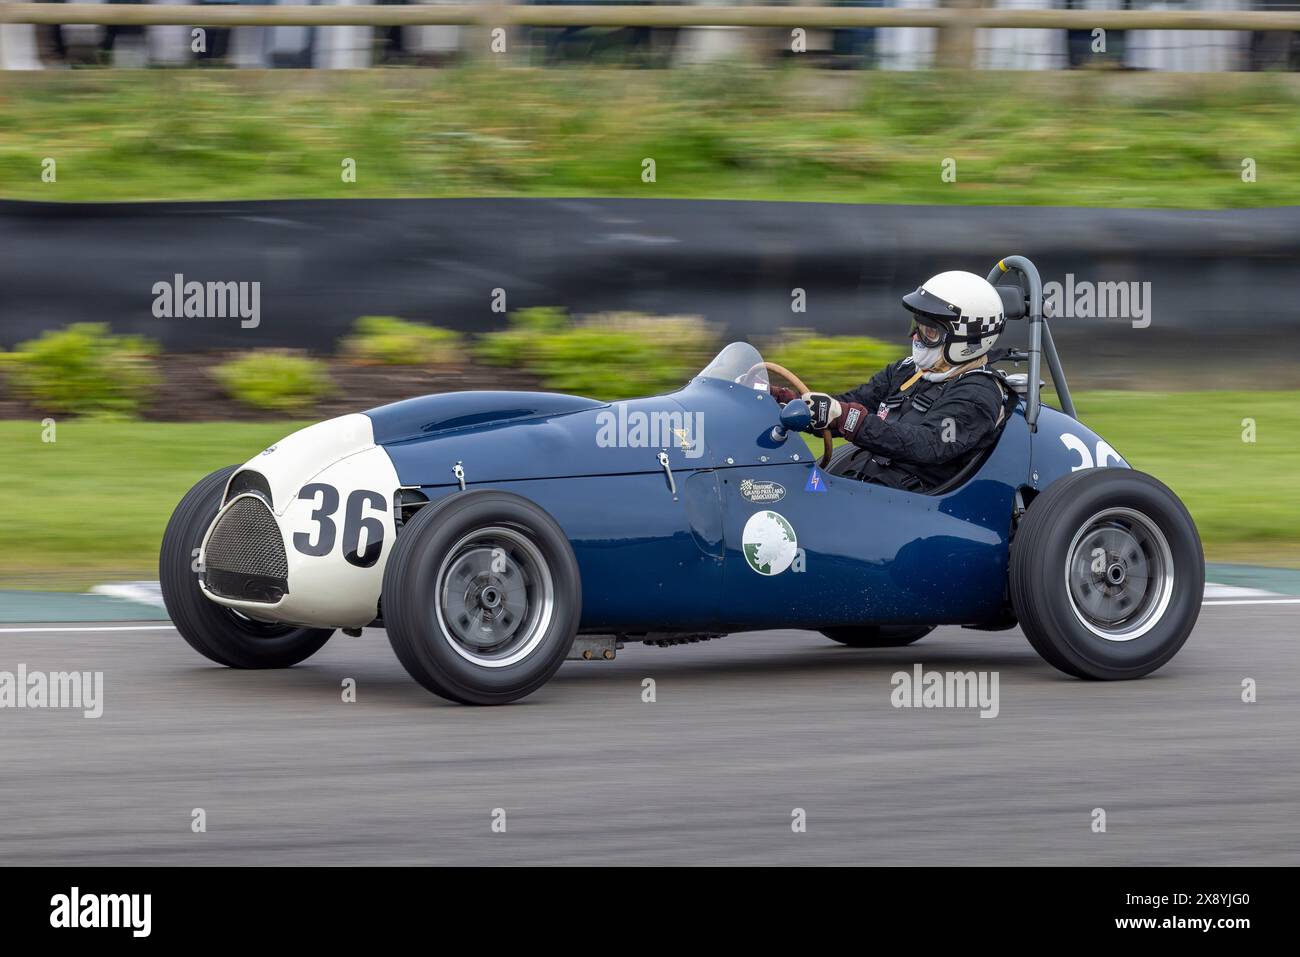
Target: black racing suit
<point x="921" y="436"/>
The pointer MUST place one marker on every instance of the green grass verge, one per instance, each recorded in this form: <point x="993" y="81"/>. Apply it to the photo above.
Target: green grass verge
<point x="727" y="132"/>
<point x="95" y="502"/>
<point x="1241" y="494"/>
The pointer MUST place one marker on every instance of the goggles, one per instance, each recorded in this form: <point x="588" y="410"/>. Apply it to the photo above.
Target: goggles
<point x="929" y="335"/>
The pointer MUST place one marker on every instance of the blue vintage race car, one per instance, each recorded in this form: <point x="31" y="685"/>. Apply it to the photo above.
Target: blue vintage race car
<point x="494" y="534"/>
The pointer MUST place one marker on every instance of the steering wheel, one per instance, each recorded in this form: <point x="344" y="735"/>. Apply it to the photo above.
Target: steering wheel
<point x="795" y="381"/>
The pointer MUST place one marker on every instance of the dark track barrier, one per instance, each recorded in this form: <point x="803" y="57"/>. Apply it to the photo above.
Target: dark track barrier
<point x="1223" y="298"/>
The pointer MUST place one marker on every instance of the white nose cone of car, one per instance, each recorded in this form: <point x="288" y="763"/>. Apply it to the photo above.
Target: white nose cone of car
<point x="297" y="458"/>
<point x="332" y="494"/>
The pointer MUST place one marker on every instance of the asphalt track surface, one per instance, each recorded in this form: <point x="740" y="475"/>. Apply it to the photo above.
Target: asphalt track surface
<point x="744" y="730"/>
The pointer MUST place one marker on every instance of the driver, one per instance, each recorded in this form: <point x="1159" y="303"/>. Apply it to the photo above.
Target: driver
<point x="924" y="417"/>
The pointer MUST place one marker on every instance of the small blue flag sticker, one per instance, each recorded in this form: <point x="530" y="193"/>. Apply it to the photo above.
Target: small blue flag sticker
<point x="815" y="481"/>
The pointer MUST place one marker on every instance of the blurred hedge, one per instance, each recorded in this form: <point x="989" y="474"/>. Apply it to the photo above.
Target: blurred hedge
<point x="84" y="370"/>
<point x="831" y="363"/>
<point x="387" y="340"/>
<point x="610" y="356"/>
<point x="274" y="380"/>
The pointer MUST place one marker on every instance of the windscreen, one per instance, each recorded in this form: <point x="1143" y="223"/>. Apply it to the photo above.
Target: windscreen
<point x="739" y="363"/>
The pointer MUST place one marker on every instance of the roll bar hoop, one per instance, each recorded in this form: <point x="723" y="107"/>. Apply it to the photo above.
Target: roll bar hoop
<point x="1040" y="340"/>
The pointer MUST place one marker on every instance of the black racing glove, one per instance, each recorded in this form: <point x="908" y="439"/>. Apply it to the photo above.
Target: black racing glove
<point x="824" y="409"/>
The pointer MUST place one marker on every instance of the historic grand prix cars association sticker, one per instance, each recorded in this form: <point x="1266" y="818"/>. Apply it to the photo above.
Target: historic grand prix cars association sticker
<point x="761" y="491"/>
<point x="769" y="543"/>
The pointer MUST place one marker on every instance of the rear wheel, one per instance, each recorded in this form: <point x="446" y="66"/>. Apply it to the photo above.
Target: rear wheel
<point x="1107" y="574"/>
<point x="878" y="636"/>
<point x="215" y="631"/>
<point x="482" y="597"/>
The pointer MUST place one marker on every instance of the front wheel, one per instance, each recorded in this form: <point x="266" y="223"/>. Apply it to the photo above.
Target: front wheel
<point x="482" y="597"/>
<point x="1107" y="574"/>
<point x="219" y="633"/>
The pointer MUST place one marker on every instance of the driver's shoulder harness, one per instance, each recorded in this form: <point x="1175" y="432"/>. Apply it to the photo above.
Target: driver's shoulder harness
<point x="921" y="459"/>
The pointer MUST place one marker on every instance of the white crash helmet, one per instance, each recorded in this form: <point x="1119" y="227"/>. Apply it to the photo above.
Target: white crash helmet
<point x="961" y="311"/>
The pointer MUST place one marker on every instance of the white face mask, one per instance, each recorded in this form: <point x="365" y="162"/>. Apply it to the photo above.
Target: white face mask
<point x="926" y="358"/>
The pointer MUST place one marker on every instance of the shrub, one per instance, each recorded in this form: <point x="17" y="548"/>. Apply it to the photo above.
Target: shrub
<point x="510" y="346"/>
<point x="274" y="380"/>
<point x="83" y="369"/>
<point x="610" y="356"/>
<point x="831" y="363"/>
<point x="387" y="340"/>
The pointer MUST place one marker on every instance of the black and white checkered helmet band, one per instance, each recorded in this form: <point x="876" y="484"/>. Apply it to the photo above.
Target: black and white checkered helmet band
<point x="972" y="328"/>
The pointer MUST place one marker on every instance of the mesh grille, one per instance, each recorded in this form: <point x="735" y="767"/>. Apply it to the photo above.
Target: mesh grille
<point x="247" y="541"/>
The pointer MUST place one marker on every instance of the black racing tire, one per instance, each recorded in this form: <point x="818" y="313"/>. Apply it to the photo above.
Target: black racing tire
<point x="1107" y="574"/>
<point x="465" y="597"/>
<point x="877" y="636"/>
<point x="214" y="631"/>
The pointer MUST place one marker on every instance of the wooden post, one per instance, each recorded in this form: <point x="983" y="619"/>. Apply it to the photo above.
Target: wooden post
<point x="954" y="48"/>
<point x="3" y="31"/>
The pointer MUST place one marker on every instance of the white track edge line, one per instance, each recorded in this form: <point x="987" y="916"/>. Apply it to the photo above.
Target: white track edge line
<point x="1253" y="601"/>
<point x="25" y="631"/>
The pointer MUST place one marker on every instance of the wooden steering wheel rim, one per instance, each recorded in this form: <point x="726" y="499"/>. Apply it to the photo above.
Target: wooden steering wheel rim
<point x="795" y="381"/>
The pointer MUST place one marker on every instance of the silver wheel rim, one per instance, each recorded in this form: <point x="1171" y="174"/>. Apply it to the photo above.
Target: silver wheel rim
<point x="1119" y="574"/>
<point x="494" y="597"/>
